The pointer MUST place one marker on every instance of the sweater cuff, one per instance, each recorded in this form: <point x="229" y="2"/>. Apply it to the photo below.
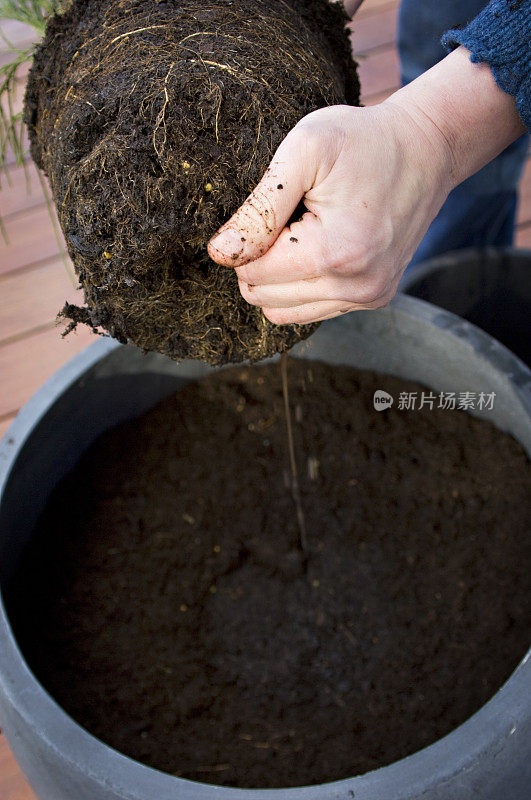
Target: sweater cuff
<point x="500" y="36"/>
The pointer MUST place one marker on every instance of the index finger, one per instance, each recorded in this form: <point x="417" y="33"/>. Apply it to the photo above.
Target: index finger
<point x="258" y="223"/>
<point x="296" y="255"/>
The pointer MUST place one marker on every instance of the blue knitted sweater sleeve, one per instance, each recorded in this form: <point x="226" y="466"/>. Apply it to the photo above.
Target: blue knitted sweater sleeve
<point x="501" y="36"/>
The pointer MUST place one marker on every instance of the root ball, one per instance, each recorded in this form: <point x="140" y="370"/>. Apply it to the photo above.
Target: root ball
<point x="154" y="119"/>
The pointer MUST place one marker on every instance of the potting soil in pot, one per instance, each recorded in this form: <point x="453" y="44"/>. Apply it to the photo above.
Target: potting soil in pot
<point x="154" y="120"/>
<point x="164" y="600"/>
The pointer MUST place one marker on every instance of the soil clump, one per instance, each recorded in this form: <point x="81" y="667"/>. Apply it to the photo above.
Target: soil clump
<point x="154" y="120"/>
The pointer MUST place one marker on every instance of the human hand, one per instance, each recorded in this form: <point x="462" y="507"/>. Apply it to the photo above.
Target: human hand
<point x="372" y="180"/>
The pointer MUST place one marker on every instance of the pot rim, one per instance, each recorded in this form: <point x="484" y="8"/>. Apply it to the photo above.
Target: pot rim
<point x="435" y="264"/>
<point x="449" y="756"/>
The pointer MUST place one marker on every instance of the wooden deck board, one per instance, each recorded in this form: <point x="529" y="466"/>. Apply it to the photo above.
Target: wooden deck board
<point x="21" y="311"/>
<point x="20" y="189"/>
<point x="374" y="30"/>
<point x="379" y="72"/>
<point x="21" y="35"/>
<point x="4" y="425"/>
<point x="13" y="785"/>
<point x="29" y="361"/>
<point x="31" y="239"/>
<point x="34" y="282"/>
<point x="370" y="7"/>
<point x="523" y="237"/>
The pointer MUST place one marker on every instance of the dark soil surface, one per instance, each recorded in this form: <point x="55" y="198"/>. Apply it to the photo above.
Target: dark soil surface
<point x="154" y="120"/>
<point x="166" y="604"/>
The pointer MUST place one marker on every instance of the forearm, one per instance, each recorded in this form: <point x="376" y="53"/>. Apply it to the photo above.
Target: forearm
<point x="462" y="106"/>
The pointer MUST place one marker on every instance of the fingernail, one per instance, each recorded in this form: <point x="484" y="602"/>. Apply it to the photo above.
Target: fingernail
<point x="229" y="242"/>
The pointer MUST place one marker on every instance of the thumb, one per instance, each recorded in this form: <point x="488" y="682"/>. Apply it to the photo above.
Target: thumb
<point x="257" y="224"/>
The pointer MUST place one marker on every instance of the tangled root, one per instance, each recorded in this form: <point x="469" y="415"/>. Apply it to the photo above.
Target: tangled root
<point x="154" y="119"/>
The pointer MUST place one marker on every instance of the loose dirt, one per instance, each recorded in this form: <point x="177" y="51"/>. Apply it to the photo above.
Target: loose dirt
<point x="166" y="604"/>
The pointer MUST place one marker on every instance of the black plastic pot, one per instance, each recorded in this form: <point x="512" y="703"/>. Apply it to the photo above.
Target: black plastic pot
<point x="490" y="287"/>
<point x="486" y="758"/>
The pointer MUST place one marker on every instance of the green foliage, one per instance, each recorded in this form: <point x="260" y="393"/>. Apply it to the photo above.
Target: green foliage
<point x="11" y="123"/>
<point x="33" y="12"/>
<point x="36" y="14"/>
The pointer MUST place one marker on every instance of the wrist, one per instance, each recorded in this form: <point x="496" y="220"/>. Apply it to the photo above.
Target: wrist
<point x="460" y="107"/>
<point x="423" y="152"/>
